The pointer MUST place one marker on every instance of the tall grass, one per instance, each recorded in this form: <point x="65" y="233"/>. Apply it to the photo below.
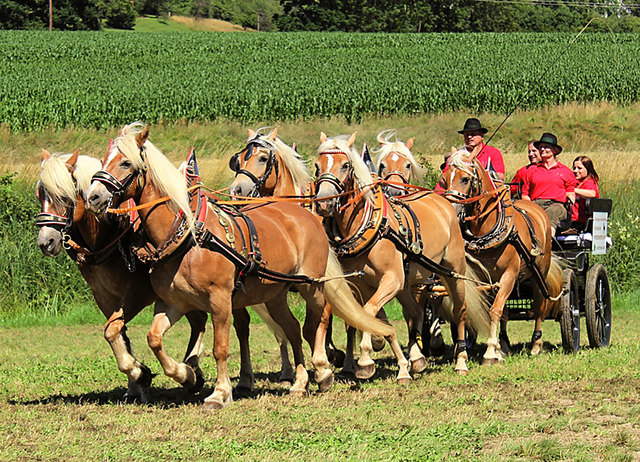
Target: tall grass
<point x="31" y="285"/>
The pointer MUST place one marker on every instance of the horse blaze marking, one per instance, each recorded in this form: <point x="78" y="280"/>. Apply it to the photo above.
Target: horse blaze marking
<point x="329" y="162"/>
<point x="112" y="155"/>
<point x="395" y="157"/>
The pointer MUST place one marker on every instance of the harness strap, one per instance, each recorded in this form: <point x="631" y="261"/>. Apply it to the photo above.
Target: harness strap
<point x="516" y="242"/>
<point x="420" y="258"/>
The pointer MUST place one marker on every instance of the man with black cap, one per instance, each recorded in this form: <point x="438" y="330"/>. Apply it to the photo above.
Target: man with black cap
<point x="550" y="183"/>
<point x="490" y="157"/>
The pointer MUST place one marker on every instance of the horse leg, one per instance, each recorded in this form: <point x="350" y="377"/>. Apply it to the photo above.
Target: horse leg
<point x="278" y="309"/>
<point x="316" y="304"/>
<point x="241" y="321"/>
<point x="221" y="318"/>
<point x="349" y="365"/>
<point x="539" y="309"/>
<point x="377" y="342"/>
<point x="388" y="287"/>
<point x="198" y="322"/>
<point x="414" y="317"/>
<point x="503" y="337"/>
<point x="139" y="376"/>
<point x="164" y="318"/>
<point x="335" y="355"/>
<point x="286" y="371"/>
<point x="493" y="354"/>
<point x="456" y="289"/>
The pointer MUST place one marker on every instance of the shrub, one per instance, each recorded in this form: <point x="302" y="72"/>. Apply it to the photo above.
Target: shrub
<point x="120" y="14"/>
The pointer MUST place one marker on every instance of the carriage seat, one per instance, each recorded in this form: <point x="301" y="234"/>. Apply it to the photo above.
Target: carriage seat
<point x="583" y="238"/>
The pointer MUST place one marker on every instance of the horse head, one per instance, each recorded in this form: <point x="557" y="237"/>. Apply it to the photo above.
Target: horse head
<point x="63" y="180"/>
<point x="462" y="178"/>
<point x="123" y="173"/>
<point x="334" y="171"/>
<point x="256" y="166"/>
<point x="395" y="163"/>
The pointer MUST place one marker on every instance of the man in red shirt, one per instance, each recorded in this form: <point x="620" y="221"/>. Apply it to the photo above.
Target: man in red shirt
<point x="550" y="183"/>
<point x="490" y="157"/>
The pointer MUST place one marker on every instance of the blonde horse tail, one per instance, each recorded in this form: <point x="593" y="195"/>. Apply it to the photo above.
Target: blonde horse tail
<point x="344" y="305"/>
<point x="262" y="311"/>
<point x="478" y="300"/>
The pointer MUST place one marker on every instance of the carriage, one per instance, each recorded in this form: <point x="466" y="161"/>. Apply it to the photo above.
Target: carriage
<point x="587" y="291"/>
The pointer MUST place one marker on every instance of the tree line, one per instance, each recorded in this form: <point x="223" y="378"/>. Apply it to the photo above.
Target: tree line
<point x="335" y="15"/>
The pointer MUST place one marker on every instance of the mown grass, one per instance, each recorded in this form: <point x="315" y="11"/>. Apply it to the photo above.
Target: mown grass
<point x="59" y="400"/>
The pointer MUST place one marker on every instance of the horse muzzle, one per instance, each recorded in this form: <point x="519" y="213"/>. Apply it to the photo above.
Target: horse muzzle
<point x="50" y="241"/>
<point x="98" y="198"/>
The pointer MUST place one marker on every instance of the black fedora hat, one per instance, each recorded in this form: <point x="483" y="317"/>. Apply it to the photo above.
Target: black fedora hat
<point x="548" y="138"/>
<point x="472" y="125"/>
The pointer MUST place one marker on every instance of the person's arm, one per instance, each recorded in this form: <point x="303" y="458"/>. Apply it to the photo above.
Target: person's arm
<point x="526" y="198"/>
<point x="571" y="196"/>
<point x="584" y="192"/>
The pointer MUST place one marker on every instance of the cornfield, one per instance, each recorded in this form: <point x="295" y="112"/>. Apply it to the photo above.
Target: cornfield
<point x="102" y="79"/>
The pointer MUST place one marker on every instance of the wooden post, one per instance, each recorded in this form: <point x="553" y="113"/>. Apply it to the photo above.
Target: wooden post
<point x="50" y="15"/>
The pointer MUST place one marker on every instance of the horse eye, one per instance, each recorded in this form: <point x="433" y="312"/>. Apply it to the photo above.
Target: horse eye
<point x="408" y="166"/>
<point x="263" y="159"/>
<point x="346" y="166"/>
<point x="125" y="164"/>
<point x="383" y="166"/>
<point x="464" y="181"/>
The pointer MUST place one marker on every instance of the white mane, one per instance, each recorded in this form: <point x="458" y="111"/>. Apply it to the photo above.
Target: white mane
<point x="462" y="161"/>
<point x="292" y="161"/>
<point x="361" y="172"/>
<point x="164" y="175"/>
<point x="389" y="144"/>
<point x="59" y="183"/>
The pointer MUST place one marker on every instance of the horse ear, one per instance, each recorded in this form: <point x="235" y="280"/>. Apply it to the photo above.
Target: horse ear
<point x="352" y="139"/>
<point x="251" y="135"/>
<point x="71" y="161"/>
<point x="46" y="155"/>
<point x="474" y="153"/>
<point x="380" y="139"/>
<point x="323" y="137"/>
<point x="274" y="134"/>
<point x="409" y="143"/>
<point x="142" y="137"/>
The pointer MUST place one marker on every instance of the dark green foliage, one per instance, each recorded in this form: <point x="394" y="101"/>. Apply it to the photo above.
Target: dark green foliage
<point x="30" y="281"/>
<point x="120" y="14"/>
<point x="34" y="14"/>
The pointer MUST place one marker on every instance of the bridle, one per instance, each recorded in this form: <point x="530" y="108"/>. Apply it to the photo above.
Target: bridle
<point x="333" y="180"/>
<point x="117" y="187"/>
<point x="392" y="173"/>
<point x="474" y="189"/>
<point x="272" y="164"/>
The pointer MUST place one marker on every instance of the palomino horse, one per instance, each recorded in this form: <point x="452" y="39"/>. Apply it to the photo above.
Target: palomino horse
<point x="397" y="244"/>
<point x="200" y="258"/>
<point x="120" y="288"/>
<point x="501" y="234"/>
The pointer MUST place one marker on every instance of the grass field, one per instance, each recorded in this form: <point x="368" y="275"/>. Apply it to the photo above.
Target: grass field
<point x="59" y="400"/>
<point x="184" y="24"/>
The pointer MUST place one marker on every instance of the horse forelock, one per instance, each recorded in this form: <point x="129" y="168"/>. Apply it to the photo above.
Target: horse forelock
<point x="58" y="182"/>
<point x="164" y="175"/>
<point x="461" y="160"/>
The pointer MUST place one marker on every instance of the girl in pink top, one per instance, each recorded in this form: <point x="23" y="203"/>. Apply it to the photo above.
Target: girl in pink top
<point x="587" y="187"/>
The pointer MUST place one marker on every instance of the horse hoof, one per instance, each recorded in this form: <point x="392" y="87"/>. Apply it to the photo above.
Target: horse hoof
<point x="346" y="376"/>
<point x="146" y="376"/>
<point x="325" y="384"/>
<point x="288" y="383"/>
<point x="365" y="372"/>
<point x="462" y="371"/>
<point x="298" y="393"/>
<point x="419" y="365"/>
<point x="213" y="405"/>
<point x="489" y="361"/>
<point x="242" y="391"/>
<point x="199" y="382"/>
<point x="377" y="343"/>
<point x="403" y="380"/>
<point x="336" y="357"/>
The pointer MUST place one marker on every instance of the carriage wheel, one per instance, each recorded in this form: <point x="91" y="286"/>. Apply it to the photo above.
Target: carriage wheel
<point x="597" y="306"/>
<point x="570" y="319"/>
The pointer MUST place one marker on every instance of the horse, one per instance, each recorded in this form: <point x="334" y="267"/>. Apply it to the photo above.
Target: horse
<point x="511" y="239"/>
<point x="119" y="284"/>
<point x="269" y="167"/>
<point x="397" y="244"/>
<point x="397" y="167"/>
<point x="210" y="261"/>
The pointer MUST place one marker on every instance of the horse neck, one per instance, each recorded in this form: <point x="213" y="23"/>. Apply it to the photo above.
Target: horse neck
<point x="96" y="234"/>
<point x="483" y="225"/>
<point x="156" y="220"/>
<point x="284" y="185"/>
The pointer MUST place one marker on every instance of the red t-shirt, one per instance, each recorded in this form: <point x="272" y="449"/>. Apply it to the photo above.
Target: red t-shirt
<point x="553" y="183"/>
<point x="579" y="209"/>
<point x="491" y="156"/>
<point x="518" y="180"/>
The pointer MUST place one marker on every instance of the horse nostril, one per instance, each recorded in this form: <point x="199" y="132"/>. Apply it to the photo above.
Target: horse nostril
<point x="93" y="199"/>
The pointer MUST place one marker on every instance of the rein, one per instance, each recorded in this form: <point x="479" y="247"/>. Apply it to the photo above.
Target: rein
<point x="272" y="164"/>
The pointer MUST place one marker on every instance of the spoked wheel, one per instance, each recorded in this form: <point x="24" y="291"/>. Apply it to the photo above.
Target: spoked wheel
<point x="570" y="319"/>
<point x="597" y="306"/>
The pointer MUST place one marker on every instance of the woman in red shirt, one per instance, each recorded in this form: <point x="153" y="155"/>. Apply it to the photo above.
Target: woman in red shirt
<point x="550" y="183"/>
<point x="587" y="187"/>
